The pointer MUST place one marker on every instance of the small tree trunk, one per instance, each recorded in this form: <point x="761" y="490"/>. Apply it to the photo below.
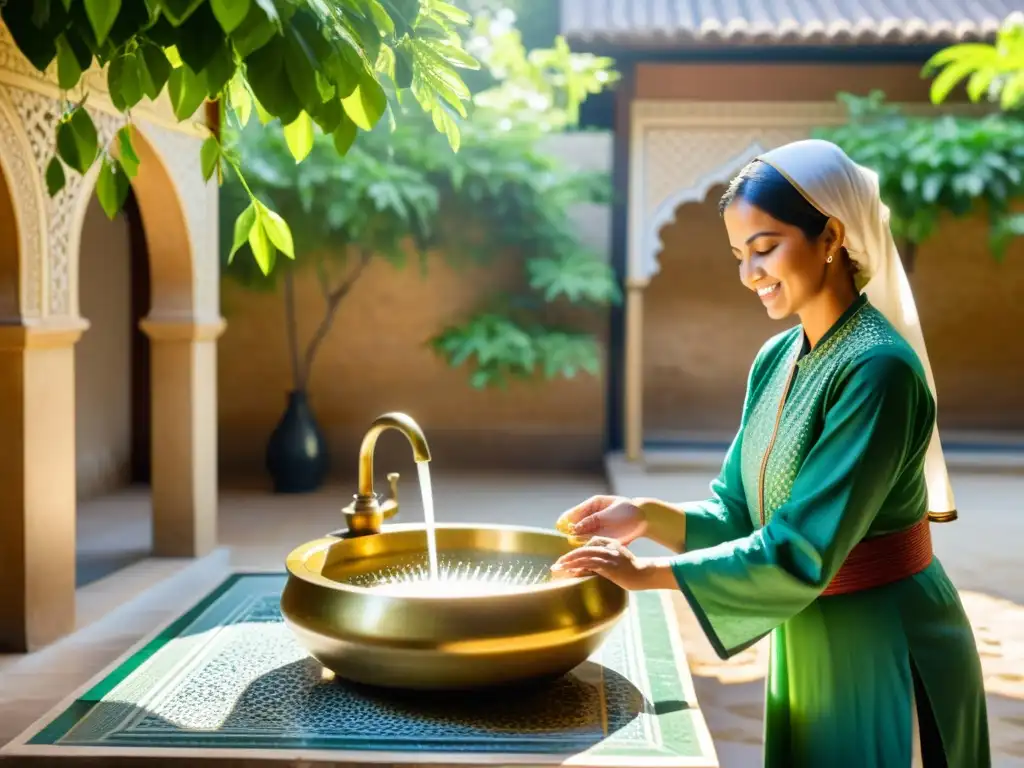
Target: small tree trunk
<point x="291" y="330"/>
<point x="333" y="296"/>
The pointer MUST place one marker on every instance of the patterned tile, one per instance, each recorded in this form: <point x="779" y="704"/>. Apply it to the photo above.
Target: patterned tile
<point x="229" y="674"/>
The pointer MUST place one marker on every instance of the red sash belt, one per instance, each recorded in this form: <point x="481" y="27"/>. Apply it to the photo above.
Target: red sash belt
<point x="883" y="560"/>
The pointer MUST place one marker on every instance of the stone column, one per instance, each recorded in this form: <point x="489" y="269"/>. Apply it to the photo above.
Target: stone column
<point x="37" y="482"/>
<point x="634" y="379"/>
<point x="184" y="434"/>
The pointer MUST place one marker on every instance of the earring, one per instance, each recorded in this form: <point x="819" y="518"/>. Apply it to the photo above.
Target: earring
<point x="829" y="259"/>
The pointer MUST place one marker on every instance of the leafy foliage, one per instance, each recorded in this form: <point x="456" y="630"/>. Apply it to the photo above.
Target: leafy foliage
<point x="936" y="164"/>
<point x="992" y="71"/>
<point x="403" y="195"/>
<point x="335" y="64"/>
<point x="542" y="88"/>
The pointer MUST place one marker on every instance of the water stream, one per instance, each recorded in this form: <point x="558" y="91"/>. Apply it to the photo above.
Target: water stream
<point x="460" y="573"/>
<point x="427" y="491"/>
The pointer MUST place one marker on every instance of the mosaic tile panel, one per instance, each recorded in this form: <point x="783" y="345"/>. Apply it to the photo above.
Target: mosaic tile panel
<point x="229" y="674"/>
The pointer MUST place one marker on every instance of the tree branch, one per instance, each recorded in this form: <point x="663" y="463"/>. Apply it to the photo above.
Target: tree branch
<point x="333" y="299"/>
<point x="298" y="380"/>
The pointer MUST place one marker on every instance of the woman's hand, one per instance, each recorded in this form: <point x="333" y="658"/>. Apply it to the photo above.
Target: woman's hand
<point x="612" y="560"/>
<point x="612" y="517"/>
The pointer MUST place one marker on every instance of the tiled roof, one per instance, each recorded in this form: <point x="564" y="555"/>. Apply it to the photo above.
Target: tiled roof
<point x="662" y="23"/>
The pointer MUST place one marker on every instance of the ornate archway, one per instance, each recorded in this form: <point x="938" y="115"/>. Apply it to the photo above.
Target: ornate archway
<point x="679" y="150"/>
<point x="37" y="337"/>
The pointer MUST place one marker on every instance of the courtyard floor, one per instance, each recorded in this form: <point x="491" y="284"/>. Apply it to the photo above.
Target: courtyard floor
<point x="981" y="553"/>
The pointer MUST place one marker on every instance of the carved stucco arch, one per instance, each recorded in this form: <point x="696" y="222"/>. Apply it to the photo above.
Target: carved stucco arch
<point x="680" y="149"/>
<point x="24" y="269"/>
<point x="169" y="246"/>
<point x="665" y="213"/>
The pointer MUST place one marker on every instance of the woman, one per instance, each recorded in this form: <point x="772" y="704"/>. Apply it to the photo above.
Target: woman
<point x="817" y="530"/>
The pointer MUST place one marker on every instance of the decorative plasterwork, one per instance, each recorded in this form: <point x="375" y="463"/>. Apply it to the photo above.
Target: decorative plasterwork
<point x="23" y="182"/>
<point x="39" y="116"/>
<point x="680" y="150"/>
<point x="49" y="228"/>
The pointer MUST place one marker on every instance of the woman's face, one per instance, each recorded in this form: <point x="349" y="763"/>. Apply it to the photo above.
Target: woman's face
<point x="777" y="261"/>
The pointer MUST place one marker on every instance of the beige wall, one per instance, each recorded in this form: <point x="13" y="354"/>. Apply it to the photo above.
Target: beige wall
<point x="702" y="329"/>
<point x="376" y="360"/>
<point x="777" y="82"/>
<point x="103" y="428"/>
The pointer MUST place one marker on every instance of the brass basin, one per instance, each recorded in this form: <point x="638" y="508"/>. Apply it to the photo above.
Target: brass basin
<point x="436" y="641"/>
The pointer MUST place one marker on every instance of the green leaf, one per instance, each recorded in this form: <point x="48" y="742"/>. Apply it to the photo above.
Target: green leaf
<point x="124" y="82"/>
<point x="230" y="13"/>
<point x="243" y="225"/>
<point x="178" y="11"/>
<point x="68" y="69"/>
<point x="445" y="123"/>
<point x="219" y="70"/>
<point x="40" y="12"/>
<point x="209" y="157"/>
<point x="344" y="136"/>
<point x="299" y="136"/>
<point x="112" y="187"/>
<point x="54" y="177"/>
<point x="268" y="78"/>
<point x="1013" y="92"/>
<point x="381" y="17"/>
<point x="79" y="47"/>
<point x="453" y="54"/>
<point x="979" y="83"/>
<point x="200" y="38"/>
<point x="186" y="90"/>
<point x="304" y="49"/>
<point x="265" y="117"/>
<point x="277" y="230"/>
<point x="240" y="99"/>
<point x="344" y="68"/>
<point x="129" y="159"/>
<point x="255" y="31"/>
<point x="38" y="48"/>
<point x="173" y="57"/>
<point x="102" y="15"/>
<point x="154" y="69"/>
<point x="77" y="142"/>
<point x="262" y="248"/>
<point x="948" y="79"/>
<point x="450" y="11"/>
<point x="367" y="103"/>
<point x="329" y="115"/>
<point x="403" y="66"/>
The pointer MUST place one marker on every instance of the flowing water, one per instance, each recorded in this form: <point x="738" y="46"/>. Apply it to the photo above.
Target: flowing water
<point x="423" y="468"/>
<point x="470" y="573"/>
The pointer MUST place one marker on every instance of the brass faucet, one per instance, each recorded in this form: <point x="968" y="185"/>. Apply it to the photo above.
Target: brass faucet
<point x="365" y="515"/>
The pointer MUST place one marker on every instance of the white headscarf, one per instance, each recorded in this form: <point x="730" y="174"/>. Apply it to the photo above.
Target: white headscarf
<point x="844" y="190"/>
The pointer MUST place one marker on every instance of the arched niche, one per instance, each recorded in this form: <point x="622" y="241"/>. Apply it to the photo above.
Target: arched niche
<point x="665" y="213"/>
<point x="165" y="224"/>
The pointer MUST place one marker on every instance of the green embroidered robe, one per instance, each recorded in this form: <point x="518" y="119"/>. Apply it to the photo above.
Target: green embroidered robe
<point x="844" y="460"/>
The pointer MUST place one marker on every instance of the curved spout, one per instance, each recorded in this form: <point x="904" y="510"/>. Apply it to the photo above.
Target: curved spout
<point x="404" y="424"/>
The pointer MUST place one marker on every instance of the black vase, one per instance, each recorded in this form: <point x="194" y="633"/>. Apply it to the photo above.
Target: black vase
<point x="297" y="453"/>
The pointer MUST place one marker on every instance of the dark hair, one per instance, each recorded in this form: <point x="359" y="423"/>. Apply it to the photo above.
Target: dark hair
<point x="764" y="187"/>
